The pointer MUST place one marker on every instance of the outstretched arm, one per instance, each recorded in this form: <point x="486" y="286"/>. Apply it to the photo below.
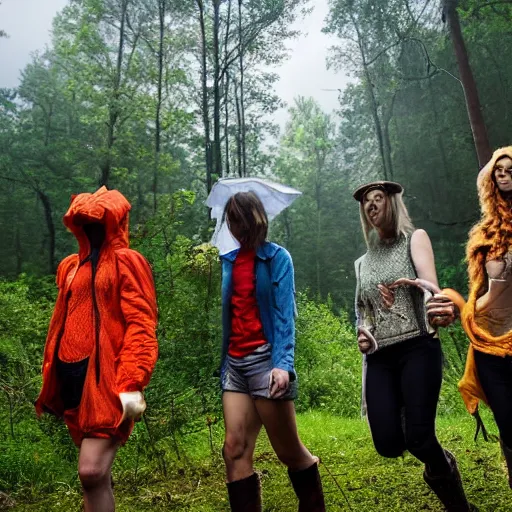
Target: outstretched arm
<point x="441" y="311"/>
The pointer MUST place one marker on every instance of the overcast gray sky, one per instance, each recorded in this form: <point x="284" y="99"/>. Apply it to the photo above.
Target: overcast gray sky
<point x="28" y="23"/>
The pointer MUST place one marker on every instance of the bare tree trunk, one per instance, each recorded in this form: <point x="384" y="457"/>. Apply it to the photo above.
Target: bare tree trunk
<point x="226" y="84"/>
<point x="45" y="200"/>
<point x="162" y="4"/>
<point x="204" y="93"/>
<point x="376" y="120"/>
<point x="226" y="126"/>
<point x="373" y="100"/>
<point x="140" y="197"/>
<point x="113" y="106"/>
<point x="238" y="131"/>
<point x="242" y="85"/>
<point x="320" y="162"/>
<point x="287" y="229"/>
<point x="217" y="155"/>
<point x="476" y="118"/>
<point x="48" y="127"/>
<point x="387" y="116"/>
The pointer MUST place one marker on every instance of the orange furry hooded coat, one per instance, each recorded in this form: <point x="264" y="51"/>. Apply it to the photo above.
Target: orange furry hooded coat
<point x="490" y="238"/>
<point x="126" y="349"/>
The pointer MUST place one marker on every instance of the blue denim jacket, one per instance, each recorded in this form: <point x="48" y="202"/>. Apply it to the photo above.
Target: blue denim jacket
<point x="275" y="295"/>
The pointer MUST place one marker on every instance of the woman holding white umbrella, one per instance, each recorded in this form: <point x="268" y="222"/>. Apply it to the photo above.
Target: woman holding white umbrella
<point x="257" y="374"/>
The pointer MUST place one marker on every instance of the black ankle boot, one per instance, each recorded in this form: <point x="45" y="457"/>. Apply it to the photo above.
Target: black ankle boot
<point x="448" y="488"/>
<point x="507" y="452"/>
<point x="308" y="488"/>
<point x="245" y="494"/>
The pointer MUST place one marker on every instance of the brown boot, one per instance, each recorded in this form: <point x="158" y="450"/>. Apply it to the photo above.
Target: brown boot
<point x="308" y="488"/>
<point x="245" y="494"/>
<point x="448" y="488"/>
<point x="507" y="452"/>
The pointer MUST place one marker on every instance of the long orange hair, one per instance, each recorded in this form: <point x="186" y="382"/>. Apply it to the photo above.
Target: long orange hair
<point x="490" y="238"/>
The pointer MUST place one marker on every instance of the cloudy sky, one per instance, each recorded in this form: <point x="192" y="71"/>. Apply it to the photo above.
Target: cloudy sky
<point x="28" y="23"/>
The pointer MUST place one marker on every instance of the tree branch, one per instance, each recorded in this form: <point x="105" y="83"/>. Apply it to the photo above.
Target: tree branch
<point x="478" y="8"/>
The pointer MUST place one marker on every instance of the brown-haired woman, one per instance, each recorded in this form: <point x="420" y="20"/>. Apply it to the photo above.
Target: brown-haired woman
<point x="396" y="332"/>
<point x="257" y="374"/>
<point x="487" y="316"/>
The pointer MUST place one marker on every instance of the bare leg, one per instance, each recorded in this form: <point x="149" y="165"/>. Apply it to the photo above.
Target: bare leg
<point x="279" y="420"/>
<point x="242" y="425"/>
<point x="278" y="417"/>
<point x="94" y="469"/>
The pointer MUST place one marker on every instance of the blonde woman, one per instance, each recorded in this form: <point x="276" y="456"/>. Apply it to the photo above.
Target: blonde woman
<point x="397" y="334"/>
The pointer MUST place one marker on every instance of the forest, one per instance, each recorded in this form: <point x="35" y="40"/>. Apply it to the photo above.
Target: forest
<point x="159" y="99"/>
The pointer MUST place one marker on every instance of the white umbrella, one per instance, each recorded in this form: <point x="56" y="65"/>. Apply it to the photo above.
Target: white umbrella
<point x="274" y="196"/>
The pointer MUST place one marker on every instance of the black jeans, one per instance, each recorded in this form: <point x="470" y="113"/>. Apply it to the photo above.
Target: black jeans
<point x="403" y="382"/>
<point x="495" y="374"/>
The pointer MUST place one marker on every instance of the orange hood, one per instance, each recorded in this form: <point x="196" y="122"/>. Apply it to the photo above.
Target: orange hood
<point x="109" y="207"/>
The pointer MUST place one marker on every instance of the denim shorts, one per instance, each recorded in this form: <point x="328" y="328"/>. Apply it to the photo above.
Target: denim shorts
<point x="251" y="375"/>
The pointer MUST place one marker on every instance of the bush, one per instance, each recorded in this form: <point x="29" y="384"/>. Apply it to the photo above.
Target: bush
<point x="327" y="360"/>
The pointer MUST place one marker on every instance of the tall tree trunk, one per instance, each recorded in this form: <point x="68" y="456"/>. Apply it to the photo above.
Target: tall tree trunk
<point x="376" y="120"/>
<point x="318" y="237"/>
<point x="238" y="131"/>
<point x="371" y="96"/>
<point x="320" y="162"/>
<point x="242" y="85"/>
<point x="287" y="229"/>
<point x="217" y="155"/>
<point x="226" y="84"/>
<point x="387" y="116"/>
<point x="476" y="118"/>
<point x="45" y="200"/>
<point x="226" y="126"/>
<point x="114" y="103"/>
<point x="204" y="96"/>
<point x="158" y="136"/>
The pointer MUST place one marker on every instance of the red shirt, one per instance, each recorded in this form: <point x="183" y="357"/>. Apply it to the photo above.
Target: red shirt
<point x="77" y="343"/>
<point x="246" y="328"/>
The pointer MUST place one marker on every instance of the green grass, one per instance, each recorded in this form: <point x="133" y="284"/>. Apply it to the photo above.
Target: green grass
<point x="369" y="482"/>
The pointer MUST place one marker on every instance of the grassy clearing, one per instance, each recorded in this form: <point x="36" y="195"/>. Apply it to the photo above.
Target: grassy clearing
<point x="370" y="483"/>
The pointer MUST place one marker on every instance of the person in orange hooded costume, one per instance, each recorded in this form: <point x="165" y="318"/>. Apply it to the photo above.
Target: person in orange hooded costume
<point x="487" y="315"/>
<point x="101" y="346"/>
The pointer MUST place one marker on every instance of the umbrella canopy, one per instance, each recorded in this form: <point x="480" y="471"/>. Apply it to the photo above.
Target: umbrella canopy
<point x="274" y="196"/>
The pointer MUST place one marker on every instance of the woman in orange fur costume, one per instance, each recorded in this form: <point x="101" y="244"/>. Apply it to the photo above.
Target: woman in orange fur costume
<point x="101" y="346"/>
<point x="487" y="315"/>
